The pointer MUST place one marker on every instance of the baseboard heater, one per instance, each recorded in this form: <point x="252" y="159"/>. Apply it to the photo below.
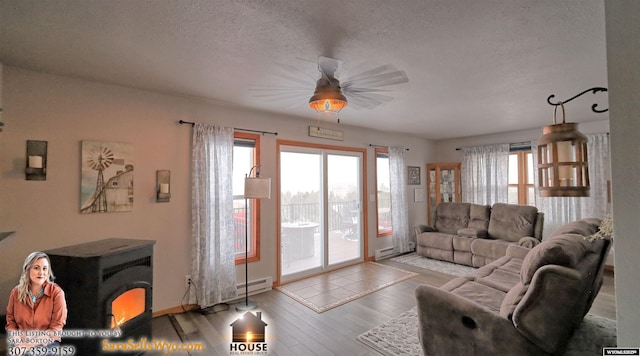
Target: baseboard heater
<point x="256" y="286"/>
<point x="388" y="252"/>
<point x="384" y="253"/>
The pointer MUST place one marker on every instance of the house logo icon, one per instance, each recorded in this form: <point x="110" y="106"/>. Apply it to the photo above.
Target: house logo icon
<point x="248" y="334"/>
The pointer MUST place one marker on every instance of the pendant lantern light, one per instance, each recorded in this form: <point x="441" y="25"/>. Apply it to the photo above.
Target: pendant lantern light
<point x="563" y="169"/>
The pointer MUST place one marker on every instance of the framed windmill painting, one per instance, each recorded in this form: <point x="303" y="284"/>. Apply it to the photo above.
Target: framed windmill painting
<point x="107" y="177"/>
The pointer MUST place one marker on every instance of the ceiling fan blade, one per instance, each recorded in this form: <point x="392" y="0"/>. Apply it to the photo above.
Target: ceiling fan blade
<point x="358" y="103"/>
<point x="295" y="75"/>
<point x="285" y="100"/>
<point x="368" y="101"/>
<point x="351" y="89"/>
<point x="282" y="94"/>
<point x="293" y="84"/>
<point x="379" y="80"/>
<point x="371" y="72"/>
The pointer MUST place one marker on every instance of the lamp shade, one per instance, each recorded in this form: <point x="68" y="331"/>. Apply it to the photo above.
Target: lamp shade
<point x="257" y="188"/>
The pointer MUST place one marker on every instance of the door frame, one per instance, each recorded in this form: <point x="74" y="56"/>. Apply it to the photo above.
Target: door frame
<point x="363" y="192"/>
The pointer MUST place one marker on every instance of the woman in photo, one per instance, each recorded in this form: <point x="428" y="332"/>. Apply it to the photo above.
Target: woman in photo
<point x="37" y="310"/>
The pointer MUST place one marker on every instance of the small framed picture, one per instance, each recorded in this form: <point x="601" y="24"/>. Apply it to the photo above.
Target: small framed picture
<point x="414" y="175"/>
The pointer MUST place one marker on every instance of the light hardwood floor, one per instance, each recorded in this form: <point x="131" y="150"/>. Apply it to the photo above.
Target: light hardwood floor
<point x="294" y="329"/>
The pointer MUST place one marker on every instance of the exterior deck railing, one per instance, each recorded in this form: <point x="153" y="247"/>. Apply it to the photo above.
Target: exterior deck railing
<point x="341" y="217"/>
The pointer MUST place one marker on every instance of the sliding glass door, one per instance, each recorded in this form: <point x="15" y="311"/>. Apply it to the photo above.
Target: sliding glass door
<point x="320" y="210"/>
<point x="300" y="211"/>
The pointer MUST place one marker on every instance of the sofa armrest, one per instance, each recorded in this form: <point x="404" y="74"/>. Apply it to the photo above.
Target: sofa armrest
<point x="453" y="325"/>
<point x="539" y="226"/>
<point x="528" y="242"/>
<point x="517" y="251"/>
<point x="471" y="232"/>
<point x="423" y="228"/>
<point x="551" y="297"/>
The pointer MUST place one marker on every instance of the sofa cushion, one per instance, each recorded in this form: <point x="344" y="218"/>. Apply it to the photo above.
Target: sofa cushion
<point x="451" y="217"/>
<point x="564" y="250"/>
<point x="488" y="297"/>
<point x="493" y="275"/>
<point x="479" y="216"/>
<point x="493" y="249"/>
<point x="510" y="222"/>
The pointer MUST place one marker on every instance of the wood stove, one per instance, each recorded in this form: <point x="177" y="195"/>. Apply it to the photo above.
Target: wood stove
<point x="107" y="284"/>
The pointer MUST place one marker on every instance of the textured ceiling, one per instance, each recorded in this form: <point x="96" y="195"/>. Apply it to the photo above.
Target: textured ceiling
<point x="474" y="67"/>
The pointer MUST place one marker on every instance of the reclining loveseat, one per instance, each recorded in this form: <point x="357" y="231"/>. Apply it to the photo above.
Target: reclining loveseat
<point x="476" y="235"/>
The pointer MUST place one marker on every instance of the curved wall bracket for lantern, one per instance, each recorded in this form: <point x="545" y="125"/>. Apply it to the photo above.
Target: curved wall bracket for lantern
<point x="594" y="90"/>
<point x="563" y="168"/>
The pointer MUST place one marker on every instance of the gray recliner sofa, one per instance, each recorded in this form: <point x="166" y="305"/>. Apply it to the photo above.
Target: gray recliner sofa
<point x="476" y="235"/>
<point x="528" y="302"/>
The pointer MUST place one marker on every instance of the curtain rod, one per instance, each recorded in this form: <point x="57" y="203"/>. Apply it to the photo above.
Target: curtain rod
<point x="510" y="144"/>
<point x="381" y="146"/>
<point x="515" y="143"/>
<point x="181" y="122"/>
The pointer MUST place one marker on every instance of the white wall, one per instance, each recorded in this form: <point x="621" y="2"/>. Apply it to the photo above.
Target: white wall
<point x="66" y="111"/>
<point x="623" y="58"/>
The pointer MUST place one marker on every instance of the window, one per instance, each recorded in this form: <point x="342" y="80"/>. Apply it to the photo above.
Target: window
<point x="246" y="155"/>
<point x="383" y="196"/>
<point x="521" y="171"/>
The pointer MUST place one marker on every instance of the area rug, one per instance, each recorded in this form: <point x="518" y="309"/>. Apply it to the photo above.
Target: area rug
<point x="449" y="268"/>
<point x="329" y="290"/>
<point x="399" y="336"/>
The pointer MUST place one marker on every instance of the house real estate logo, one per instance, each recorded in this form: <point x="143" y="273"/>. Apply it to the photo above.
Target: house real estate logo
<point x="248" y="335"/>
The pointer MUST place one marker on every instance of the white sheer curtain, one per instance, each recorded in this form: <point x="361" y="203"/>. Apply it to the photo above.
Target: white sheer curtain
<point x="399" y="203"/>
<point x="485" y="174"/>
<point x="213" y="267"/>
<point x="561" y="210"/>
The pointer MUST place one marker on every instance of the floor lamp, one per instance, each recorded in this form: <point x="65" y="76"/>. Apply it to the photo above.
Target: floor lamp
<point x="254" y="188"/>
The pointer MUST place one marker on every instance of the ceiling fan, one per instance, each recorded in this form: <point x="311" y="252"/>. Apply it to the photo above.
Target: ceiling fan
<point x="366" y="89"/>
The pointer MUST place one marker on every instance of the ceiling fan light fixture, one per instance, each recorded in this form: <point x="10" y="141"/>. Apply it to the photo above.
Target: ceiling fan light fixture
<point x="328" y="99"/>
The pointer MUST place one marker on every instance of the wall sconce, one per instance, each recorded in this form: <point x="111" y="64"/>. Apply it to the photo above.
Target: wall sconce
<point x="36" y="165"/>
<point x="563" y="169"/>
<point x="163" y="186"/>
